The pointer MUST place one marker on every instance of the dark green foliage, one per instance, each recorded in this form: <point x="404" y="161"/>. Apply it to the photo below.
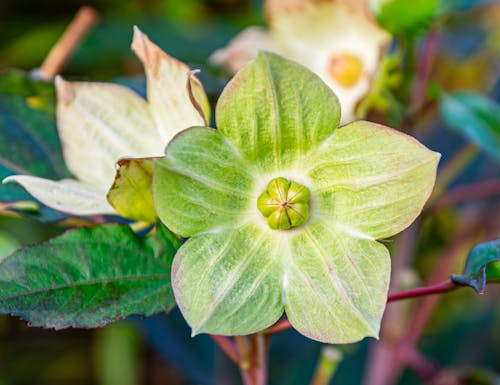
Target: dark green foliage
<point x="89" y="277"/>
<point x="483" y="265"/>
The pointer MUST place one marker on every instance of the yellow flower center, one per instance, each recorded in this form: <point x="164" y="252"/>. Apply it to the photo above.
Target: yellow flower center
<point x="345" y="68"/>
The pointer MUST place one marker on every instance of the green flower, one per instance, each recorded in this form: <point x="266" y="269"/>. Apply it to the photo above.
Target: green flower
<point x="277" y="131"/>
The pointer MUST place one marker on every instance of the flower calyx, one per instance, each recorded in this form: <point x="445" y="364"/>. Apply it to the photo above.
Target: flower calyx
<point x="285" y="204"/>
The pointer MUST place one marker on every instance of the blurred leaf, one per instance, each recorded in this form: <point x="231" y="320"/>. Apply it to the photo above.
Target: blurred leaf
<point x="403" y="16"/>
<point x="29" y="144"/>
<point x="462" y="5"/>
<point x="476" y="117"/>
<point x="13" y="81"/>
<point x="30" y="48"/>
<point x="483" y="265"/>
<point x="8" y="244"/>
<point x="118" y="354"/>
<point x="89" y="277"/>
<point x="131" y="194"/>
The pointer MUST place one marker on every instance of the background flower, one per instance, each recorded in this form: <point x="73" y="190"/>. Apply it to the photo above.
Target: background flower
<point x="336" y="39"/>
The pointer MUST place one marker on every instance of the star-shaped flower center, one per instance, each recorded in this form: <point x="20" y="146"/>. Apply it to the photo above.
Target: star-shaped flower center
<point x="285" y="204"/>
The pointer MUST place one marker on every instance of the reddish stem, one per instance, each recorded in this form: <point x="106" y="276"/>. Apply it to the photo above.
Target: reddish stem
<point x="83" y="22"/>
<point x="227" y="345"/>
<point x="481" y="190"/>
<point x="253" y="363"/>
<point x="439" y="288"/>
<point x="424" y="368"/>
<point x="424" y="69"/>
<point x="280" y="326"/>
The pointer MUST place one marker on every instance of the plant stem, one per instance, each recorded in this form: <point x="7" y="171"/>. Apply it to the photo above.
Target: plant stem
<point x="425" y="369"/>
<point x="327" y="365"/>
<point x="424" y="68"/>
<point x="485" y="189"/>
<point x="253" y="363"/>
<point x="422" y="309"/>
<point x="438" y="288"/>
<point x="227" y="346"/>
<point x="82" y="23"/>
<point x="382" y="353"/>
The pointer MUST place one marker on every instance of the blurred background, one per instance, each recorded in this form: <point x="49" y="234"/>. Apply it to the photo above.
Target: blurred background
<point x="463" y="334"/>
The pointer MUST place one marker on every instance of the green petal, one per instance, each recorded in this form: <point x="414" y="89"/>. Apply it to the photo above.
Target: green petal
<point x="275" y="111"/>
<point x="336" y="285"/>
<point x="131" y="194"/>
<point x="202" y="184"/>
<point x="229" y="282"/>
<point x="370" y="180"/>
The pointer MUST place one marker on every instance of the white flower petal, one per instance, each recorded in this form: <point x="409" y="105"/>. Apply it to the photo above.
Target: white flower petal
<point x="100" y="123"/>
<point x="312" y="33"/>
<point x="243" y="48"/>
<point x="328" y="29"/>
<point x="67" y="195"/>
<point x="167" y="91"/>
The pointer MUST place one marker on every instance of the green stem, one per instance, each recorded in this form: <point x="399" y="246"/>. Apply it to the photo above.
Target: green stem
<point x="328" y="363"/>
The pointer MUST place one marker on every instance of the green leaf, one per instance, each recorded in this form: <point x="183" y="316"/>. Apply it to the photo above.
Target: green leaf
<point x="13" y="81"/>
<point x="29" y="144"/>
<point x="89" y="277"/>
<point x="266" y="113"/>
<point x="371" y="181"/>
<point x="39" y="94"/>
<point x="403" y="16"/>
<point x="131" y="194"/>
<point x="482" y="266"/>
<point x="8" y="244"/>
<point x="117" y="352"/>
<point x="201" y="183"/>
<point x="476" y="117"/>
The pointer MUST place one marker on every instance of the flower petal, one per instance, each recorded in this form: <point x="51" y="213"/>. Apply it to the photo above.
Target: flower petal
<point x="201" y="184"/>
<point x="336" y="286"/>
<point x="98" y="124"/>
<point x="370" y="180"/>
<point x="329" y="29"/>
<point x="67" y="195"/>
<point x="168" y="95"/>
<point x="243" y="48"/>
<point x="131" y="194"/>
<point x="275" y="111"/>
<point x="229" y="282"/>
